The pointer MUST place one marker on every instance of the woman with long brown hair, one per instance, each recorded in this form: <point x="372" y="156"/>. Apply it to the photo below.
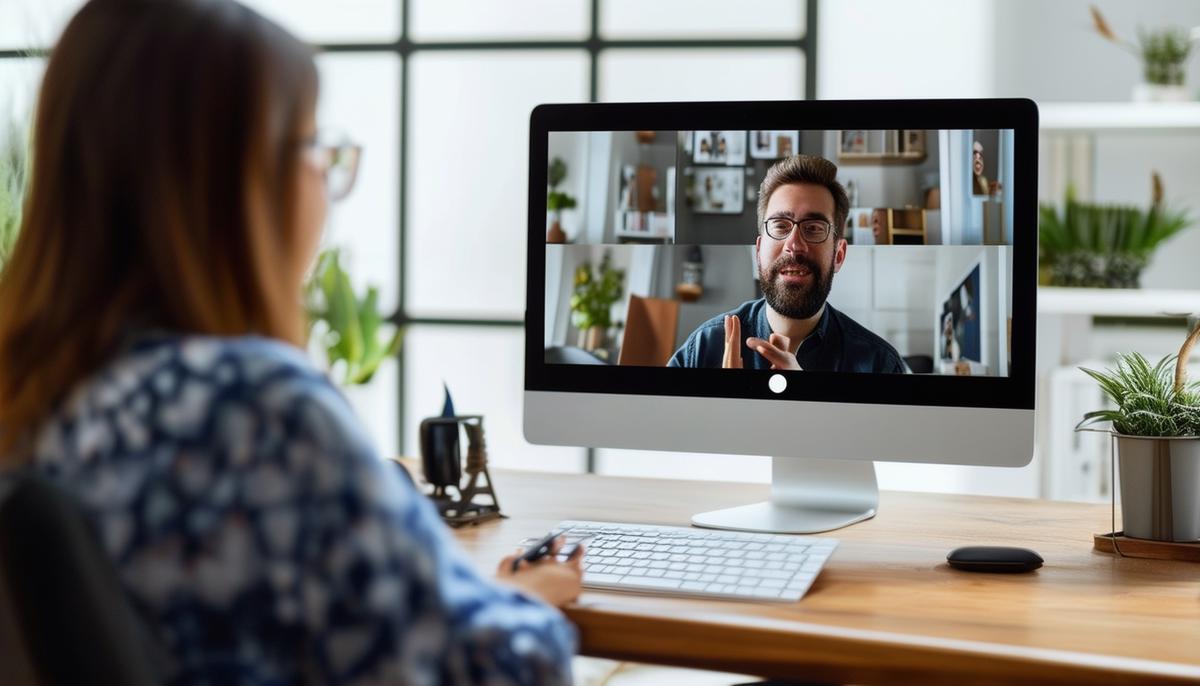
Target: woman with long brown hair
<point x="150" y="319"/>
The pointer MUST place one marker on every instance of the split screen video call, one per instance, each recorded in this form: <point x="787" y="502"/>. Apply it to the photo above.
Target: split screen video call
<point x="869" y="251"/>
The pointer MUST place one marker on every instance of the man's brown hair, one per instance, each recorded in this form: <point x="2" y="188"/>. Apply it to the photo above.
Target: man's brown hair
<point x="805" y="169"/>
<point x="165" y="154"/>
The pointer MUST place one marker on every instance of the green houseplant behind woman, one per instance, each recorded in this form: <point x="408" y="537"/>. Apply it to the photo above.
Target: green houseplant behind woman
<point x="150" y="318"/>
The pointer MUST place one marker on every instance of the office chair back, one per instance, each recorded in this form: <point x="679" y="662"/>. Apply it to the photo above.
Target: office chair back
<point x="64" y="618"/>
<point x="650" y="328"/>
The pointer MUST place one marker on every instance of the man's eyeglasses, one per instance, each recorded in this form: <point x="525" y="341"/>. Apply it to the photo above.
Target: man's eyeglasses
<point x="338" y="162"/>
<point x="811" y="230"/>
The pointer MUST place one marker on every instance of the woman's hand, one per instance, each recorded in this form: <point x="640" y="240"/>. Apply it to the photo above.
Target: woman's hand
<point x="557" y="583"/>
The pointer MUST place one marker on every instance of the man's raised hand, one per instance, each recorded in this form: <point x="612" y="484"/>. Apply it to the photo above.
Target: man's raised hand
<point x="733" y="343"/>
<point x="777" y="350"/>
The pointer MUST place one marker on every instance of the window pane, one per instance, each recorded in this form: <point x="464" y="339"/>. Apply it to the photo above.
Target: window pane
<point x="702" y="19"/>
<point x="344" y="21"/>
<point x="648" y="75"/>
<point x="484" y="369"/>
<point x="377" y="406"/>
<point x="360" y="97"/>
<point x="444" y="20"/>
<point x="468" y="133"/>
<point x="20" y="79"/>
<point x="26" y="25"/>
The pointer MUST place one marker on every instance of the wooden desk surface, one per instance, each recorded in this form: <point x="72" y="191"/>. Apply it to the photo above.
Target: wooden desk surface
<point x="886" y="607"/>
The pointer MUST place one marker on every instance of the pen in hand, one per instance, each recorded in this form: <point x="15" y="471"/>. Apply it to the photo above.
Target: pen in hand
<point x="542" y="548"/>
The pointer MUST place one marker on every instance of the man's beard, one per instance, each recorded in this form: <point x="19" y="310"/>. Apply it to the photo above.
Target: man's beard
<point x="796" y="301"/>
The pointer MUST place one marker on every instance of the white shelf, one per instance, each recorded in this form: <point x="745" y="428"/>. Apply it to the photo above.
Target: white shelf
<point x="1117" y="302"/>
<point x="619" y="233"/>
<point x="1119" y="116"/>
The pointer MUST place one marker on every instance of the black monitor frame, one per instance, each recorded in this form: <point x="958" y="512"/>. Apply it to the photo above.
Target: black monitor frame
<point x="1016" y="391"/>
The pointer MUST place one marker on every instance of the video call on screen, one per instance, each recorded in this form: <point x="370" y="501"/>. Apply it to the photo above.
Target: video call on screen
<point x="651" y="235"/>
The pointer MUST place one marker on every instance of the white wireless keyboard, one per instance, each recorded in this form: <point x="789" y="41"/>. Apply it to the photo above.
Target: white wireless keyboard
<point x="688" y="561"/>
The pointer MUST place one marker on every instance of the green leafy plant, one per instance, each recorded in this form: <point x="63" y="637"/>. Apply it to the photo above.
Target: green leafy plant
<point x="594" y="294"/>
<point x="557" y="200"/>
<point x="1163" y="52"/>
<point x="1149" y="399"/>
<point x="1092" y="244"/>
<point x="350" y="328"/>
<point x="12" y="187"/>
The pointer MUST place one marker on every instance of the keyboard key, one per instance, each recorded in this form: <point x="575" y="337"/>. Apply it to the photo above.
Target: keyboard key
<point x="590" y="578"/>
<point x="643" y="582"/>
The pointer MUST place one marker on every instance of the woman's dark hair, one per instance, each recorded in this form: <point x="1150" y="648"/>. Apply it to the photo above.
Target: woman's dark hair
<point x="165" y="156"/>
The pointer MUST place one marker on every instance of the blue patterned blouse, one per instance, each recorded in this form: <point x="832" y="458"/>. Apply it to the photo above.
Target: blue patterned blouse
<point x="251" y="519"/>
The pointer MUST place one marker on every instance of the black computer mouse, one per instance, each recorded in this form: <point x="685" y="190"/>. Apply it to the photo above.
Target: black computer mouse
<point x="986" y="558"/>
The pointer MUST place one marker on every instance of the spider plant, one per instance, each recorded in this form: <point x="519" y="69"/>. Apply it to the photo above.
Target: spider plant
<point x="1150" y="399"/>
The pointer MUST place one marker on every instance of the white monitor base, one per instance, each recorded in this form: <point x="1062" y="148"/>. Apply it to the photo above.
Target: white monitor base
<point x="808" y="496"/>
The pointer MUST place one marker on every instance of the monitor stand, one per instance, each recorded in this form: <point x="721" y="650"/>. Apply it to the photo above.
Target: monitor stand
<point x="807" y="496"/>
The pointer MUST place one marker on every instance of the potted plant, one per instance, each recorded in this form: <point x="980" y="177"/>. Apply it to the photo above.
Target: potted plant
<point x="557" y="201"/>
<point x="1156" y="428"/>
<point x="349" y="328"/>
<point x="1163" y="52"/>
<point x="12" y="187"/>
<point x="592" y="301"/>
<point x="1103" y="245"/>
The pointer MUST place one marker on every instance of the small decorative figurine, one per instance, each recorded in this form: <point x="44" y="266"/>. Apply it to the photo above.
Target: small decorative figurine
<point x="442" y="466"/>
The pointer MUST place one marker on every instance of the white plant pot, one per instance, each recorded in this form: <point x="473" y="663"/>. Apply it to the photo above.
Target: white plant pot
<point x="1160" y="487"/>
<point x="1151" y="92"/>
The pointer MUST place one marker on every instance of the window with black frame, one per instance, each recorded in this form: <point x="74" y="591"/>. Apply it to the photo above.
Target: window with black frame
<point x="438" y="94"/>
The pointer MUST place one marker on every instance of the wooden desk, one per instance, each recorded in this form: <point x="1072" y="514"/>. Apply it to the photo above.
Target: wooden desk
<point x="886" y="608"/>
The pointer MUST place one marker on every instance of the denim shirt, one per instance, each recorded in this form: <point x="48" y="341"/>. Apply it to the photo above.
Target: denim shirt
<point x="257" y="530"/>
<point x="837" y="344"/>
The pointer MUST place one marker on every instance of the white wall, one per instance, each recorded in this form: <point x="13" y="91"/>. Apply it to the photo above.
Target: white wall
<point x="572" y="148"/>
<point x="916" y="49"/>
<point x="1048" y="51"/>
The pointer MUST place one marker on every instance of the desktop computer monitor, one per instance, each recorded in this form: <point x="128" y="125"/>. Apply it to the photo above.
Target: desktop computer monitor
<point x="849" y="282"/>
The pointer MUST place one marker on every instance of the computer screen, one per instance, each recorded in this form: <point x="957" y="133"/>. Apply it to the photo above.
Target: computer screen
<point x="828" y="255"/>
<point x="892" y="277"/>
